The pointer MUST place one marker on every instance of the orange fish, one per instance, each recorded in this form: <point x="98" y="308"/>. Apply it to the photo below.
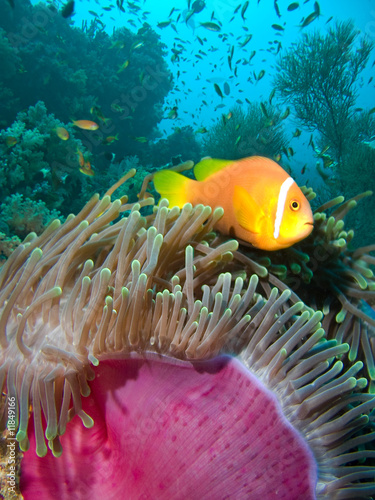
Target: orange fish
<point x="81" y="158"/>
<point x="11" y="141"/>
<point x="86" y="124"/>
<point x="262" y="204"/>
<point x="62" y="133"/>
<point x="111" y="138"/>
<point x="87" y="170"/>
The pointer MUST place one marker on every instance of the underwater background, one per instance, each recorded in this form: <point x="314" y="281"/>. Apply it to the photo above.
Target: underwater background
<point x="91" y="89"/>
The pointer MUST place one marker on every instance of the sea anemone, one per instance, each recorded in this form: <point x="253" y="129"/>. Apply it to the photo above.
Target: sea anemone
<point x="205" y="381"/>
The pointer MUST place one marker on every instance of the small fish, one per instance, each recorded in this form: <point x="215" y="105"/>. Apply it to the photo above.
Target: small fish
<point x="86" y="124"/>
<point x="136" y="45"/>
<point x="293" y="6"/>
<point x="271" y="222"/>
<point x="140" y="139"/>
<point x="297" y="133"/>
<point x="123" y="66"/>
<point x="309" y="19"/>
<point x="172" y="115"/>
<point x="68" y="9"/>
<point x="303" y="170"/>
<point x="277" y="157"/>
<point x="290" y="151"/>
<point x="277" y="27"/>
<point x="272" y="95"/>
<point x="243" y="10"/>
<point x="323" y="151"/>
<point x="117" y="108"/>
<point x="81" y="158"/>
<point x="246" y="41"/>
<point x="237" y="140"/>
<point x="276" y="7"/>
<point x="372" y="110"/>
<point x="111" y="138"/>
<point x="260" y="75"/>
<point x="269" y="123"/>
<point x="62" y="133"/>
<point x="218" y="90"/>
<point x="211" y="26"/>
<point x="327" y="161"/>
<point x="285" y="114"/>
<point x="11" y="141"/>
<point x="118" y="44"/>
<point x="96" y="111"/>
<point x="264" y="109"/>
<point x="164" y="24"/>
<point x="201" y="130"/>
<point x="87" y="170"/>
<point x="227" y="89"/>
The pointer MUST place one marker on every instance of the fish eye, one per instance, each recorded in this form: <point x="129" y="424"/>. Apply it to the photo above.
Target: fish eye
<point x="294" y="205"/>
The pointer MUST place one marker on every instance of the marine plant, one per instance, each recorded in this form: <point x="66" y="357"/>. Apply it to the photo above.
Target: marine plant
<point x="319" y="78"/>
<point x="86" y="294"/>
<point x="243" y="133"/>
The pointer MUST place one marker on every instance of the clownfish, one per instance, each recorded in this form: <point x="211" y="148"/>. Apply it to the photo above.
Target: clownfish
<point x="262" y="204"/>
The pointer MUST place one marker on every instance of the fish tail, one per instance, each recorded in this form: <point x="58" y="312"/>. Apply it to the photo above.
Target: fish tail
<point x="173" y="186"/>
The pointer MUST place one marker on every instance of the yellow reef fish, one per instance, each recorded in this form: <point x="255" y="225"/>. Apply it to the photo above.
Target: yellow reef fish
<point x="86" y="124"/>
<point x="262" y="204"/>
<point x="62" y="133"/>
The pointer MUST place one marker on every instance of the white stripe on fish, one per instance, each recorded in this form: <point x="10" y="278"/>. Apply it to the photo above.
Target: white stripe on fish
<point x="285" y="186"/>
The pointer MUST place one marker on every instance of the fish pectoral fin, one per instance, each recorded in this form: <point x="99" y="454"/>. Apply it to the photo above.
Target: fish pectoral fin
<point x="247" y="211"/>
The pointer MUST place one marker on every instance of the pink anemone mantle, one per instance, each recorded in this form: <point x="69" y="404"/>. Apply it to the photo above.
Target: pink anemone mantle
<point x="175" y="431"/>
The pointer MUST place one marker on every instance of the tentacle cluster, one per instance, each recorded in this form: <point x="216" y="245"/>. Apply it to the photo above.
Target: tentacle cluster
<point x="100" y="287"/>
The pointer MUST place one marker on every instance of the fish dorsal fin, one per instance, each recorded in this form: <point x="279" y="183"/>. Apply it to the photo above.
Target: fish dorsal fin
<point x="209" y="166"/>
<point x="247" y="211"/>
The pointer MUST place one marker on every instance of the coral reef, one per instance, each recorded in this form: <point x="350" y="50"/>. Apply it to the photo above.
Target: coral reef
<point x="7" y="245"/>
<point x="24" y="216"/>
<point x="40" y="165"/>
<point x="249" y="133"/>
<point x="182" y="144"/>
<point x="123" y="75"/>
